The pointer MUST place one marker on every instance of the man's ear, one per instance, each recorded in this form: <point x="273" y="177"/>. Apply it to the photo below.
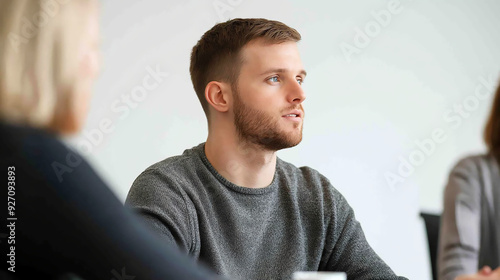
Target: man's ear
<point x="217" y="95"/>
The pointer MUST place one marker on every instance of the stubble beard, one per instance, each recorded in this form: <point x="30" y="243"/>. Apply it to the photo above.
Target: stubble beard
<point x="257" y="127"/>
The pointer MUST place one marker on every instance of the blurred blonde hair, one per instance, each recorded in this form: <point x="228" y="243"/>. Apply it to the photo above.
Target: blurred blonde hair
<point x="39" y="48"/>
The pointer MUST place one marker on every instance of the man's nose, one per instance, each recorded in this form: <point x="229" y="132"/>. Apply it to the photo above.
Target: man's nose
<point x="296" y="93"/>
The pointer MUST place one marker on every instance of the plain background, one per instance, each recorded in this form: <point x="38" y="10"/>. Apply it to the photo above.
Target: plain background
<point x="365" y="112"/>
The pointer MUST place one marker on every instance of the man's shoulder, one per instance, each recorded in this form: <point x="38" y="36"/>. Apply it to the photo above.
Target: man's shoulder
<point x="312" y="188"/>
<point x="168" y="176"/>
<point x="177" y="170"/>
<point x="291" y="168"/>
<point x="304" y="176"/>
<point x="188" y="160"/>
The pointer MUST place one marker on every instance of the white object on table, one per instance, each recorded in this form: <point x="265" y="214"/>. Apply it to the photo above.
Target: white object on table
<point x="313" y="275"/>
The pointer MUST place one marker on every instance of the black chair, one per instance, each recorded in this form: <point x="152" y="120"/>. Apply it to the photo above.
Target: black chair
<point x="432" y="223"/>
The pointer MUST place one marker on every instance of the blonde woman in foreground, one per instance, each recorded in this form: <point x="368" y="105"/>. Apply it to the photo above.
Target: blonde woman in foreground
<point x="72" y="225"/>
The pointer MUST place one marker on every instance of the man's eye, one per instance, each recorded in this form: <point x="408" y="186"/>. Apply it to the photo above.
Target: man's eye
<point x="273" y="79"/>
<point x="300" y="81"/>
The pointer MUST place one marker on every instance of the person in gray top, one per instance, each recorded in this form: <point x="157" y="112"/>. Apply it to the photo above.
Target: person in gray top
<point x="231" y="202"/>
<point x="470" y="225"/>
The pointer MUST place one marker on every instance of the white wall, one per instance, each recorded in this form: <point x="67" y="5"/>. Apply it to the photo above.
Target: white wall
<point x="364" y="111"/>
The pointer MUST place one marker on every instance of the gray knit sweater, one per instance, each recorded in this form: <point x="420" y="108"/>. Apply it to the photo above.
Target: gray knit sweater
<point x="299" y="222"/>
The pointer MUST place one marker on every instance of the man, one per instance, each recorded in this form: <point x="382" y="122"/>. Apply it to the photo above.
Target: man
<point x="230" y="202"/>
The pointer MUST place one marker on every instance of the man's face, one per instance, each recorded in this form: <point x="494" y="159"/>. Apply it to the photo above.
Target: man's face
<point x="268" y="99"/>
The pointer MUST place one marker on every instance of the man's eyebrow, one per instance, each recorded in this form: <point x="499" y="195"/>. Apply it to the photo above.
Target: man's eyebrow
<point x="281" y="70"/>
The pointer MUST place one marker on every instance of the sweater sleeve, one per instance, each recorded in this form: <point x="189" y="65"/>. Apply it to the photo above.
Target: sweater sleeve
<point x="351" y="252"/>
<point x="163" y="206"/>
<point x="460" y="223"/>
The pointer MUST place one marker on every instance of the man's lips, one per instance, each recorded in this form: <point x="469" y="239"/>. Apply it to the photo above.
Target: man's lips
<point x="294" y="114"/>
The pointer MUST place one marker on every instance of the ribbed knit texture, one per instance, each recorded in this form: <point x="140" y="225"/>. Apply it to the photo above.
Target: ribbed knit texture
<point x="300" y="222"/>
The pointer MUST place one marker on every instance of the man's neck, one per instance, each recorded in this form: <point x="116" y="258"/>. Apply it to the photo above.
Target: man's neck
<point x="244" y="164"/>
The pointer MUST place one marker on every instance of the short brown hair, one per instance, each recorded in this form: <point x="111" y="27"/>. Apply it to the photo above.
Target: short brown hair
<point x="492" y="129"/>
<point x="216" y="56"/>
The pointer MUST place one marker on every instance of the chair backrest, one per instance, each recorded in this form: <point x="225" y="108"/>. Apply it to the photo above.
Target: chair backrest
<point x="432" y="223"/>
